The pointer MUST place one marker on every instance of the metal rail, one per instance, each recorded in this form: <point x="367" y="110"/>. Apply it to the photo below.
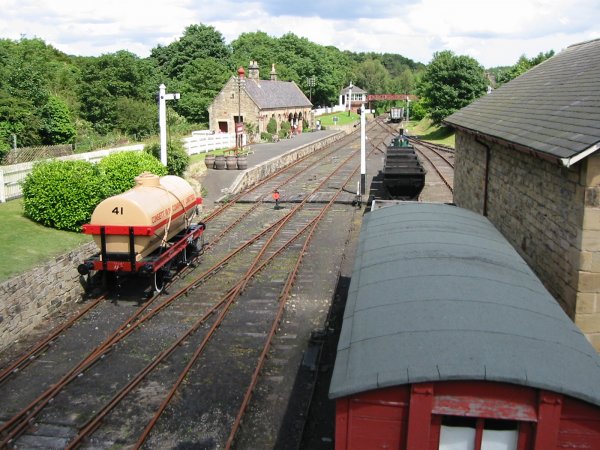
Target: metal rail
<point x="26" y="416"/>
<point x="252" y="271"/>
<point x="125" y="329"/>
<point x="282" y="302"/>
<point x="435" y="167"/>
<point x="433" y="147"/>
<point x="25" y="359"/>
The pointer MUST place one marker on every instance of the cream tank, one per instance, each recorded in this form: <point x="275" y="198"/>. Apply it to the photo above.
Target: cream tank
<point x="157" y="207"/>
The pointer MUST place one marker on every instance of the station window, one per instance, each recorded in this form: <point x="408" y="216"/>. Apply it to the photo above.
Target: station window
<point x="466" y="433"/>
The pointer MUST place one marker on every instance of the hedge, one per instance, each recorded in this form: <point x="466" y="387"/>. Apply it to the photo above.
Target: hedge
<point x="62" y="194"/>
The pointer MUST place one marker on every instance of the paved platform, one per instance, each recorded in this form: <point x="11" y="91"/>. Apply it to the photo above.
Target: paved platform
<point x="216" y="183"/>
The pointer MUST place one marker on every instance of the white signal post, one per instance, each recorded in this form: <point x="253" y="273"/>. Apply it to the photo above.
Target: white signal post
<point x="162" y="120"/>
<point x="350" y="98"/>
<point x="363" y="157"/>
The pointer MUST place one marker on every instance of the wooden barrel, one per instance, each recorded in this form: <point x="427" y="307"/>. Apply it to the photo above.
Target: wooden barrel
<point x="231" y="161"/>
<point x="220" y="163"/>
<point x="209" y="160"/>
<point x="242" y="162"/>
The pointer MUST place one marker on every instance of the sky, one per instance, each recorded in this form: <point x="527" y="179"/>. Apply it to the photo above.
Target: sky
<point x="495" y="33"/>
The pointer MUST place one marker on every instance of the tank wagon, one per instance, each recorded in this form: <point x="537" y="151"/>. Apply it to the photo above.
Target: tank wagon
<point x="145" y="229"/>
<point x="396" y="115"/>
<point x="403" y="173"/>
<point x="450" y="341"/>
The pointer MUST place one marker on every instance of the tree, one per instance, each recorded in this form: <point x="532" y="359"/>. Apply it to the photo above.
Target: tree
<point x="198" y="42"/>
<point x="521" y="66"/>
<point x="200" y="81"/>
<point x="18" y="116"/>
<point x="108" y="78"/>
<point x="58" y="125"/>
<point x="256" y="46"/>
<point x="136" y="118"/>
<point x="372" y="76"/>
<point x="406" y="81"/>
<point x="296" y="59"/>
<point x="450" y="83"/>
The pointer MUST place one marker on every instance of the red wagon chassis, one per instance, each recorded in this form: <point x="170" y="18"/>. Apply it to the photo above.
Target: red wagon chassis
<point x="126" y="262"/>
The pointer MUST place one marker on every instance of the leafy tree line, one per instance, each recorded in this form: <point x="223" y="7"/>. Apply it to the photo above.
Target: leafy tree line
<point x="48" y="97"/>
<point x="503" y="75"/>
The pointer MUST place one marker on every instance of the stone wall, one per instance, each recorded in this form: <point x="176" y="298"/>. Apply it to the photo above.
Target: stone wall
<point x="587" y="315"/>
<point x="254" y="174"/>
<point x="549" y="213"/>
<point x="33" y="296"/>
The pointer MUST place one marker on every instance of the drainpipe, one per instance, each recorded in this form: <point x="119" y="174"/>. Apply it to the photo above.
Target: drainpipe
<point x="487" y="174"/>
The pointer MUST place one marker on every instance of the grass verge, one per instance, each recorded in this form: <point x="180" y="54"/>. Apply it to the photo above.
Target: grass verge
<point x="426" y="130"/>
<point x="342" y="118"/>
<point x="24" y="243"/>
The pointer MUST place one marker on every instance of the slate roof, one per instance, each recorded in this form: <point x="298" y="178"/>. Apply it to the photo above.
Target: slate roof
<point x="270" y="94"/>
<point x="355" y="90"/>
<point x="438" y="294"/>
<point x="553" y="109"/>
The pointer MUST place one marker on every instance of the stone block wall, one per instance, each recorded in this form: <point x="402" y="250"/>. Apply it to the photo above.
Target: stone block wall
<point x="587" y="315"/>
<point x="549" y="213"/>
<point x="227" y="103"/>
<point x="254" y="174"/>
<point x="28" y="299"/>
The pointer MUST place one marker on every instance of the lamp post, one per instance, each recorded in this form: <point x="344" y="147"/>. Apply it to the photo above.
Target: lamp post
<point x="239" y="127"/>
<point x="311" y="84"/>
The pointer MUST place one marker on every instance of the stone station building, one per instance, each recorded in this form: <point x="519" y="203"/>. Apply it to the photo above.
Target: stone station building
<point x="527" y="158"/>
<point x="256" y="101"/>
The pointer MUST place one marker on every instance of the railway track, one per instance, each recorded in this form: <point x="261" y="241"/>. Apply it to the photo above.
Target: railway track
<point x="143" y="375"/>
<point x="435" y="161"/>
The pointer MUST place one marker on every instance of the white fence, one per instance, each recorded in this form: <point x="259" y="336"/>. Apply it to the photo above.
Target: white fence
<point x="330" y="109"/>
<point x="12" y="176"/>
<point x="205" y="141"/>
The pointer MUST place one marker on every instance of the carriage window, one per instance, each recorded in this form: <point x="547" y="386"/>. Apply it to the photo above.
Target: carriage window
<point x="465" y="433"/>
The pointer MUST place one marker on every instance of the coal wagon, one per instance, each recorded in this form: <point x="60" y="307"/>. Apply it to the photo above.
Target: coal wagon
<point x="396" y="115"/>
<point x="403" y="173"/>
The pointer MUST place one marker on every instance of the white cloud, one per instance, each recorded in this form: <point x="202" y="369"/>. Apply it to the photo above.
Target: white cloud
<point x="494" y="33"/>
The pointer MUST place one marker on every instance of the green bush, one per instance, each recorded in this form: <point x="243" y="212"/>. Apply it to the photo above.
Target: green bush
<point x="286" y="126"/>
<point x="272" y="126"/>
<point x="417" y="110"/>
<point x="62" y="194"/>
<point x="177" y="158"/>
<point x="120" y="169"/>
<point x="284" y="130"/>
